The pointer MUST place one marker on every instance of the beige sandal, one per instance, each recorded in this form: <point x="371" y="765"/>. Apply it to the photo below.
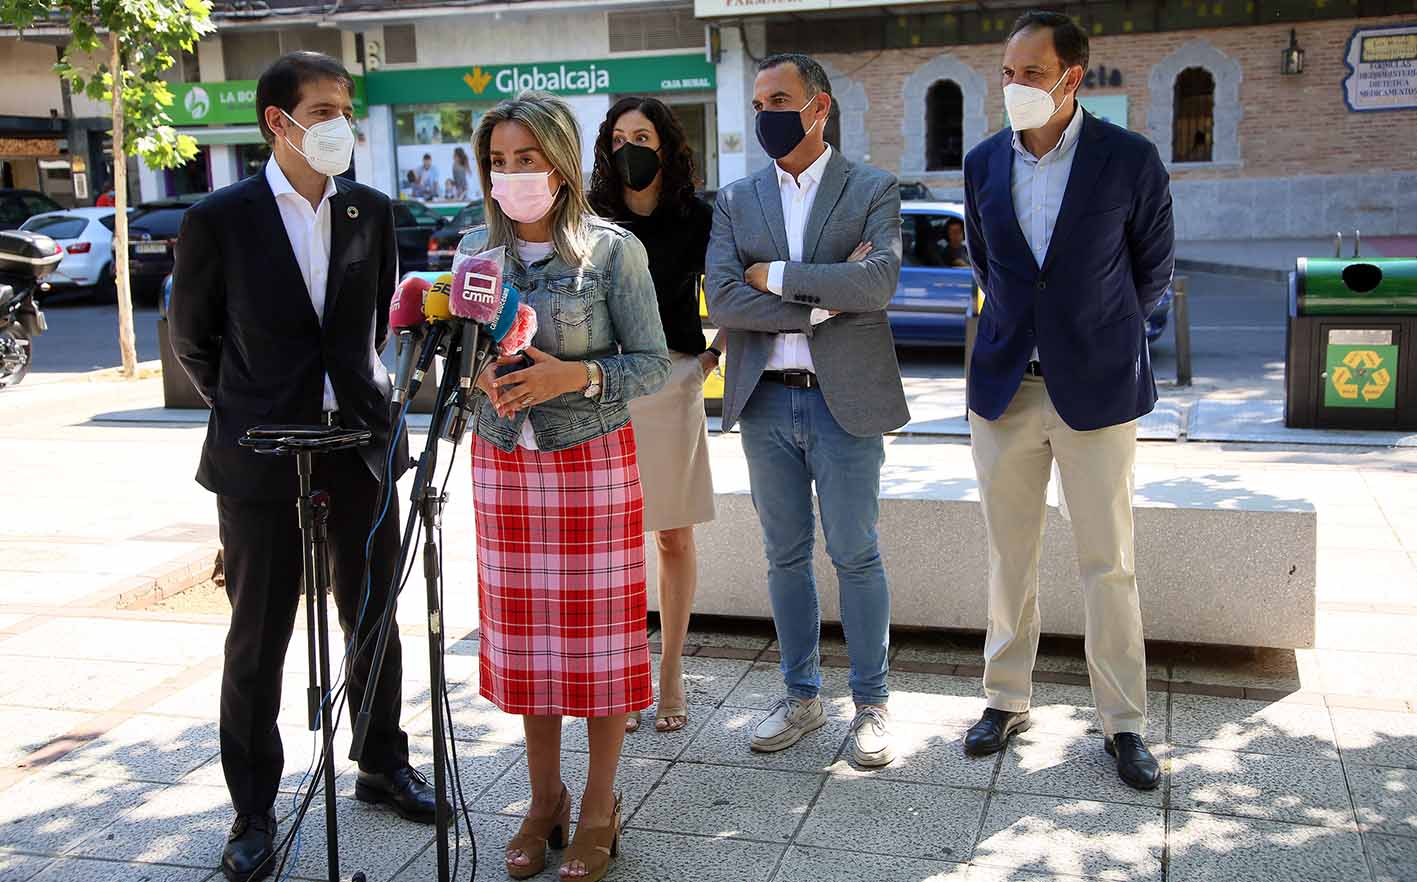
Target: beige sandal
<point x="632" y="722"/>
<point x="665" y="714"/>
<point x="595" y="848"/>
<point x="538" y="833"/>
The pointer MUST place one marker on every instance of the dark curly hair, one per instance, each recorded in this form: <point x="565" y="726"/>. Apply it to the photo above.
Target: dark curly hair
<point x="607" y="191"/>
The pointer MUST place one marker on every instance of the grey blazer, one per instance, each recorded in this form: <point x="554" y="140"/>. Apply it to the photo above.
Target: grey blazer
<point x="854" y="353"/>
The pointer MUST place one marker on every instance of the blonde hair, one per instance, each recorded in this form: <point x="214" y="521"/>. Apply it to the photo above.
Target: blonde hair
<point x="553" y="124"/>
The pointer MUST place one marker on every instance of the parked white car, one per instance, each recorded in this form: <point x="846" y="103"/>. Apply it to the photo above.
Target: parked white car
<point x="86" y="234"/>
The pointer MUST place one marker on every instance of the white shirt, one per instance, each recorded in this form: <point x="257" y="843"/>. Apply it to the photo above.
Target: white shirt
<point x="309" y="232"/>
<point x="790" y="351"/>
<point x="1038" y="187"/>
<point x="531" y="252"/>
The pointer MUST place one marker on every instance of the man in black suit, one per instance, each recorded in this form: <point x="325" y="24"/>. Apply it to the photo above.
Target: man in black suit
<point x="280" y="302"/>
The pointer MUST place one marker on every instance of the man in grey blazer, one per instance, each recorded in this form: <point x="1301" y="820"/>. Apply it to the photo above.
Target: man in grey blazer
<point x="803" y="259"/>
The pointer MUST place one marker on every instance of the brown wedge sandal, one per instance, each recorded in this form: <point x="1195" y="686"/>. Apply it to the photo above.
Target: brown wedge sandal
<point x="594" y="847"/>
<point x="538" y="833"/>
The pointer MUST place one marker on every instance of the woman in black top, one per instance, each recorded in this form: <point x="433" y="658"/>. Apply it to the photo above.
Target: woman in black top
<point x="644" y="181"/>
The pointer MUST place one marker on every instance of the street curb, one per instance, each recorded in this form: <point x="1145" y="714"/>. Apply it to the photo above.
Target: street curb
<point x="115" y="372"/>
<point x="172" y="578"/>
<point x="1230" y="269"/>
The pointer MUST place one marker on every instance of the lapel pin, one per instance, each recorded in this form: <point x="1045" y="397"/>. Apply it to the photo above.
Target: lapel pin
<point x="352" y="212"/>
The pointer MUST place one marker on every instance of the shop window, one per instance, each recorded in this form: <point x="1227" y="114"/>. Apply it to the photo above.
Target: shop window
<point x="1193" y="131"/>
<point x="192" y="177"/>
<point x="641" y="31"/>
<point x="944" y="127"/>
<point x="433" y="143"/>
<point x="247" y="54"/>
<point x="400" y="44"/>
<point x="251" y="158"/>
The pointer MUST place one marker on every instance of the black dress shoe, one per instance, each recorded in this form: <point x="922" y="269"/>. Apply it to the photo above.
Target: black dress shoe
<point x="1135" y="764"/>
<point x="249" y="854"/>
<point x="405" y="790"/>
<point x="991" y="734"/>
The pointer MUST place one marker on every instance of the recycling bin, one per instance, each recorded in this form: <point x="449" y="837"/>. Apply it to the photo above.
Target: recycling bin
<point x="1351" y="351"/>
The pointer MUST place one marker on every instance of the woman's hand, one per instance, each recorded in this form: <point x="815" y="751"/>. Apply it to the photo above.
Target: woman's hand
<point x="708" y="361"/>
<point x="547" y="378"/>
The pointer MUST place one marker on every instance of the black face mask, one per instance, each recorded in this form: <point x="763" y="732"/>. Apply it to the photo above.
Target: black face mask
<point x="638" y="165"/>
<point x="780" y="131"/>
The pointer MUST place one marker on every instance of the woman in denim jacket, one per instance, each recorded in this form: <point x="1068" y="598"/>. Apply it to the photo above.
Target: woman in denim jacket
<point x="556" y="488"/>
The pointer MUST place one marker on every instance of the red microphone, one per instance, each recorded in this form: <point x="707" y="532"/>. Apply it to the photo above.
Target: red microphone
<point x="407" y="322"/>
<point x="523" y="329"/>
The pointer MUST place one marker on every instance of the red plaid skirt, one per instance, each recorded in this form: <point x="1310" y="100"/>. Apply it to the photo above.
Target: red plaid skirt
<point x="561" y="578"/>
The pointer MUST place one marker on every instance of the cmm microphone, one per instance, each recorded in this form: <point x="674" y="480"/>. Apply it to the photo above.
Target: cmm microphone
<point x="487" y="307"/>
<point x="406" y="321"/>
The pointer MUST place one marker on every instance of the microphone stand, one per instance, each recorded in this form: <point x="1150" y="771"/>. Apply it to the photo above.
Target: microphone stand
<point x="303" y="442"/>
<point x="427" y="504"/>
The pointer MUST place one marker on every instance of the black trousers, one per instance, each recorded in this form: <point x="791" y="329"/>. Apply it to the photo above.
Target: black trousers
<point x="263" y="557"/>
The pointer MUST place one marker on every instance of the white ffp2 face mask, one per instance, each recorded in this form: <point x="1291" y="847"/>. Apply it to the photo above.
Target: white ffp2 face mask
<point x="1030" y="107"/>
<point x="328" y="146"/>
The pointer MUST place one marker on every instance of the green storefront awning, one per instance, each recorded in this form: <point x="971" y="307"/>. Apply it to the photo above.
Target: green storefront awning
<point x="605" y="76"/>
<point x="228" y="102"/>
<point x="225" y="134"/>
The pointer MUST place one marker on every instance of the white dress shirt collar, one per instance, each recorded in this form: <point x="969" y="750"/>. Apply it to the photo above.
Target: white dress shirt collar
<point x="280" y="184"/>
<point x="813" y="174"/>
<point x="1065" y="143"/>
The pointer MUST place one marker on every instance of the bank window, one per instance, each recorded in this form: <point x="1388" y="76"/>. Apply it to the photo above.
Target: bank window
<point x="436" y="161"/>
<point x="944" y="127"/>
<point x="1194" y="125"/>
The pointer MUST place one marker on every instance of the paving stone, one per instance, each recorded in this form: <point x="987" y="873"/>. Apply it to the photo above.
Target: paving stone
<point x="1261" y="668"/>
<point x="946" y="649"/>
<point x="184" y="825"/>
<point x="727" y="736"/>
<point x="1209" y="848"/>
<point x="24" y="730"/>
<point x="1393" y="857"/>
<point x="735" y="803"/>
<point x="762" y="687"/>
<point x="511" y="793"/>
<point x="935" y="698"/>
<point x="1386" y="798"/>
<point x="925" y="754"/>
<point x="744" y="638"/>
<point x="1252" y="726"/>
<point x="145" y="748"/>
<point x="1379" y="738"/>
<point x="372" y="839"/>
<point x="644" y="742"/>
<point x="1076" y="766"/>
<point x="492" y="833"/>
<point x="1276" y="788"/>
<point x="823" y="865"/>
<point x="708" y="680"/>
<point x="888" y="817"/>
<point x="77" y="684"/>
<point x="16" y="867"/>
<point x="1072" y="837"/>
<point x="52" y="813"/>
<point x="122" y="640"/>
<point x="474" y="719"/>
<point x="1069" y="710"/>
<point x="80" y="870"/>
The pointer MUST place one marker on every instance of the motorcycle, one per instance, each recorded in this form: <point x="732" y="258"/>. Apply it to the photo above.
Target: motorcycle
<point x="25" y="259"/>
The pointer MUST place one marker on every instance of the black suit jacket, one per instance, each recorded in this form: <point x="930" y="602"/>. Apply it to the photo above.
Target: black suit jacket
<point x="243" y="327"/>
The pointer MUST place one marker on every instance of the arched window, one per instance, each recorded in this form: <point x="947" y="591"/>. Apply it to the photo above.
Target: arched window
<point x="1193" y="129"/>
<point x="944" y="127"/>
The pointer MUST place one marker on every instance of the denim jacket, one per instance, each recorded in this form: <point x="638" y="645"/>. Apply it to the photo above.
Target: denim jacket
<point x="605" y="311"/>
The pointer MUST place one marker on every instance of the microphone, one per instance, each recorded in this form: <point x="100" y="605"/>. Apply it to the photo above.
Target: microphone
<point x="435" y="310"/>
<point x="487" y="307"/>
<point x="406" y="320"/>
<point x="522" y="331"/>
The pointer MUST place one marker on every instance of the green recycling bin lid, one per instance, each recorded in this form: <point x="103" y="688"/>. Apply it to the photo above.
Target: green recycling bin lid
<point x="1357" y="286"/>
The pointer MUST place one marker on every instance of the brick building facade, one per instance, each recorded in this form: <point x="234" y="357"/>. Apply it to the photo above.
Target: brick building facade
<point x="1285" y="156"/>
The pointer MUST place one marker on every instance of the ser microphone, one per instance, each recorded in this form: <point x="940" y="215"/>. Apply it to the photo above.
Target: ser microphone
<point x="435" y="310"/>
<point x="406" y="321"/>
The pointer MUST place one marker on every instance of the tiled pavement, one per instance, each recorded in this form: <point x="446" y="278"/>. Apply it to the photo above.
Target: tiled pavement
<point x="1279" y="766"/>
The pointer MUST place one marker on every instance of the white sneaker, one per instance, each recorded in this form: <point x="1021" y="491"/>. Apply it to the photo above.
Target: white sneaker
<point x="871" y="743"/>
<point x="788" y="721"/>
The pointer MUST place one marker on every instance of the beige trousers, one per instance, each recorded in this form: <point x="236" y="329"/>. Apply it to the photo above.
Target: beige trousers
<point x="1013" y="457"/>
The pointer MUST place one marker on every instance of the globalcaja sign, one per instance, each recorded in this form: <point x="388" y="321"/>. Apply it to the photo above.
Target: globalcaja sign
<point x="640" y="75"/>
<point x="232" y="102"/>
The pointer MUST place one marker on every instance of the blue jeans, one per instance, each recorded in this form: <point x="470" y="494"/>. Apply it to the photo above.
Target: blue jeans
<point x="791" y="439"/>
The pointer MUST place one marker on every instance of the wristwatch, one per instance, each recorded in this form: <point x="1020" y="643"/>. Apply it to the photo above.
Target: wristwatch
<point x="717" y="353"/>
<point x="593" y="377"/>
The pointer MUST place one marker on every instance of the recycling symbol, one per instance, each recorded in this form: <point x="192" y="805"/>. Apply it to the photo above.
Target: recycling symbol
<point x="1362" y="374"/>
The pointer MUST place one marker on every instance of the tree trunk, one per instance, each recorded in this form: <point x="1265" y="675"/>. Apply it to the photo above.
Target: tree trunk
<point x="127" y="344"/>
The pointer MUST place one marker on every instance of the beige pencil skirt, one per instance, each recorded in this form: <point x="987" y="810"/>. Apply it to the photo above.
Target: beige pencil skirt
<point x="672" y="436"/>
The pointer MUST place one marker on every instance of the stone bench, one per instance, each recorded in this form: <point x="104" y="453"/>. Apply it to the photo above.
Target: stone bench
<point x="1223" y="557"/>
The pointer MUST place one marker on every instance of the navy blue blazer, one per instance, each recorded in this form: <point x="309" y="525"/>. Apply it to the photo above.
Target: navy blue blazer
<point x="1108" y="264"/>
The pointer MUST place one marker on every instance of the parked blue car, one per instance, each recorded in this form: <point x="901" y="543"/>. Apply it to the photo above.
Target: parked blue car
<point x="932" y="300"/>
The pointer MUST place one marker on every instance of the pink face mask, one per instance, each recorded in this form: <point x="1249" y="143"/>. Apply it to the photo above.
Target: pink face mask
<point x="526" y="197"/>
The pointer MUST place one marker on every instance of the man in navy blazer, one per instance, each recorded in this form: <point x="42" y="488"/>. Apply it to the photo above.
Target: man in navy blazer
<point x="1073" y="243"/>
